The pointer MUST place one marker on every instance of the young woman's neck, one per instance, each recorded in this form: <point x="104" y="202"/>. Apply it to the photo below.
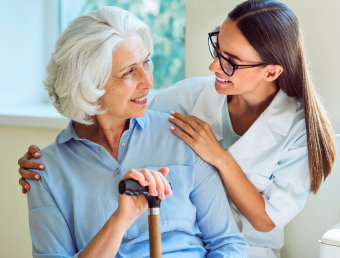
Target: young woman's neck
<point x="256" y="101"/>
<point x="245" y="109"/>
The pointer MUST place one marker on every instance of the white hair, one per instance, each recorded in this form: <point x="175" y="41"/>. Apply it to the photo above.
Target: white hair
<point x="82" y="62"/>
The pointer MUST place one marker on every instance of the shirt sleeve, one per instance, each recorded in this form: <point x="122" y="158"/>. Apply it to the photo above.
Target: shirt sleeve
<point x="220" y="234"/>
<point x="286" y="194"/>
<point x="49" y="230"/>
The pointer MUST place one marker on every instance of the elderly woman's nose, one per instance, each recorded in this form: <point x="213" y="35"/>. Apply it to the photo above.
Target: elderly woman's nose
<point x="146" y="79"/>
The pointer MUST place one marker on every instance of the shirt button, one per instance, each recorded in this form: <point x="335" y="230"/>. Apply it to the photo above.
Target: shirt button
<point x="117" y="171"/>
<point x="123" y="144"/>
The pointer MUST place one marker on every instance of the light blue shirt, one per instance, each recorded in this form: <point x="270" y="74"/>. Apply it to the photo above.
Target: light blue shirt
<point x="78" y="192"/>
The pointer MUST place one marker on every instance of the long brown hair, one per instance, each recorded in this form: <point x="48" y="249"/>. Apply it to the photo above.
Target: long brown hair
<point x="274" y="32"/>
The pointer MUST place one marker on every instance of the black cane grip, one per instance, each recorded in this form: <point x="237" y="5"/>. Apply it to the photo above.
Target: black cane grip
<point x="133" y="188"/>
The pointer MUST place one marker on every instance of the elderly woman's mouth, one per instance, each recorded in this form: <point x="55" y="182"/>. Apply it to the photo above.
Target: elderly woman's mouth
<point x="141" y="100"/>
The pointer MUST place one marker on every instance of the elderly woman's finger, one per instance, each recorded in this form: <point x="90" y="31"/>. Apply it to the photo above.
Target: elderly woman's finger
<point x="29" y="174"/>
<point x="151" y="180"/>
<point x="167" y="187"/>
<point x="164" y="171"/>
<point x="136" y="175"/>
<point x="159" y="184"/>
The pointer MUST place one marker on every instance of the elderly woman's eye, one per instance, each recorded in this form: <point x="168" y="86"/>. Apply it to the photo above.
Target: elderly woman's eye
<point x="128" y="73"/>
<point x="148" y="63"/>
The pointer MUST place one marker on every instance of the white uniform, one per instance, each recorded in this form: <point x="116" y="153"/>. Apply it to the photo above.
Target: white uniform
<point x="272" y="154"/>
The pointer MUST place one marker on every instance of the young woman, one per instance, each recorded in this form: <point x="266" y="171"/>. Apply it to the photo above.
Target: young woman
<point x="258" y="121"/>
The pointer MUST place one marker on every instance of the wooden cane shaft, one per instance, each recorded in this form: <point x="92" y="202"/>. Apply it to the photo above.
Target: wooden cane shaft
<point x="155" y="240"/>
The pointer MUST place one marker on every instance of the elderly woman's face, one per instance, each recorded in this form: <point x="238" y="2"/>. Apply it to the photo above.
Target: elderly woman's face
<point x="130" y="81"/>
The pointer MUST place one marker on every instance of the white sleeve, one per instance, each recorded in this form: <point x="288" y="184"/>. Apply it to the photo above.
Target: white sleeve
<point x="286" y="195"/>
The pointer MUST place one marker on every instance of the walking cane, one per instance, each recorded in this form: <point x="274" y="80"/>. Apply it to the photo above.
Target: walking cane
<point x="132" y="187"/>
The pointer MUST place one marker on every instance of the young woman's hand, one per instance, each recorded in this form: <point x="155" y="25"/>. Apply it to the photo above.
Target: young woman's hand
<point x="199" y="136"/>
<point x="25" y="164"/>
<point x="131" y="207"/>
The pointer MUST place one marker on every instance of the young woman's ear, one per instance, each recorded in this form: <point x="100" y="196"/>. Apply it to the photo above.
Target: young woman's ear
<point x="273" y="72"/>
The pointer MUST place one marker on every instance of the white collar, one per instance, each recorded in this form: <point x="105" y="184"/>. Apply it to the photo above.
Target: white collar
<point x="278" y="116"/>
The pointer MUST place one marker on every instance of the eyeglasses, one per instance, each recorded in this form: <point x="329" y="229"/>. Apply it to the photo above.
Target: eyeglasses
<point x="226" y="64"/>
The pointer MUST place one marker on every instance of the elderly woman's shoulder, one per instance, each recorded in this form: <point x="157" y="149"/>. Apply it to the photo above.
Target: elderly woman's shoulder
<point x="181" y="96"/>
<point x="157" y="118"/>
<point x="158" y="123"/>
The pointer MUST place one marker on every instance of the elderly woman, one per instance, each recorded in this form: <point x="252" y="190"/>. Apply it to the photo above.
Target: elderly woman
<point x="100" y="76"/>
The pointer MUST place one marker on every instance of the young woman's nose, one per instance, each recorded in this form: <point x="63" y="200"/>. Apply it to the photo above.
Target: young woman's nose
<point x="215" y="66"/>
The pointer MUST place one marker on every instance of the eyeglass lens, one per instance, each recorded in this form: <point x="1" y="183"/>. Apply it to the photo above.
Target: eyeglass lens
<point x="225" y="65"/>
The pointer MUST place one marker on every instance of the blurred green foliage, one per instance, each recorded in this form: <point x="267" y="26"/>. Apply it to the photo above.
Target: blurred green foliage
<point x="166" y="19"/>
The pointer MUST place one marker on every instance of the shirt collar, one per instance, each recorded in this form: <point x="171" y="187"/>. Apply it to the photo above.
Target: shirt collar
<point x="280" y="113"/>
<point x="140" y="121"/>
<point x="68" y="133"/>
<point x="209" y="104"/>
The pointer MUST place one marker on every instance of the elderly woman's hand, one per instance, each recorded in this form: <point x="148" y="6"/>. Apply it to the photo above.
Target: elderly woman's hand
<point x="25" y="164"/>
<point x="131" y="207"/>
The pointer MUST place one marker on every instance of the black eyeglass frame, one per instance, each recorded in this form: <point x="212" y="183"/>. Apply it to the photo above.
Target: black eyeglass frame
<point x="219" y="56"/>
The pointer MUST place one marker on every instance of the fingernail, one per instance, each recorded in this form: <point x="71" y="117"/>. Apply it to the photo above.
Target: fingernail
<point x="26" y="187"/>
<point x="162" y="196"/>
<point x="172" y="128"/>
<point x="170" y="192"/>
<point x="37" y="177"/>
<point x="172" y="112"/>
<point x="155" y="193"/>
<point x="41" y="166"/>
<point x="145" y="183"/>
<point x="171" y="117"/>
<point x="36" y="154"/>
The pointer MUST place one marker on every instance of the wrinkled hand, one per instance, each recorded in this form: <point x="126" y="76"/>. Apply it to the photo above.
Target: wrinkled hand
<point x="198" y="135"/>
<point x="25" y="164"/>
<point x="131" y="207"/>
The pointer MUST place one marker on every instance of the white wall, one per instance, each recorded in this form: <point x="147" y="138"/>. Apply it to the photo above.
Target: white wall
<point x="15" y="239"/>
<point x="320" y="24"/>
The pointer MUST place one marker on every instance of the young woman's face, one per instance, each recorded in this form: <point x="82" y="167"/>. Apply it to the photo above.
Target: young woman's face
<point x="234" y="46"/>
<point x="130" y="81"/>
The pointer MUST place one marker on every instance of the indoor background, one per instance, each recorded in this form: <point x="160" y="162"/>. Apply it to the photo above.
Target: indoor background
<point x="24" y="120"/>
